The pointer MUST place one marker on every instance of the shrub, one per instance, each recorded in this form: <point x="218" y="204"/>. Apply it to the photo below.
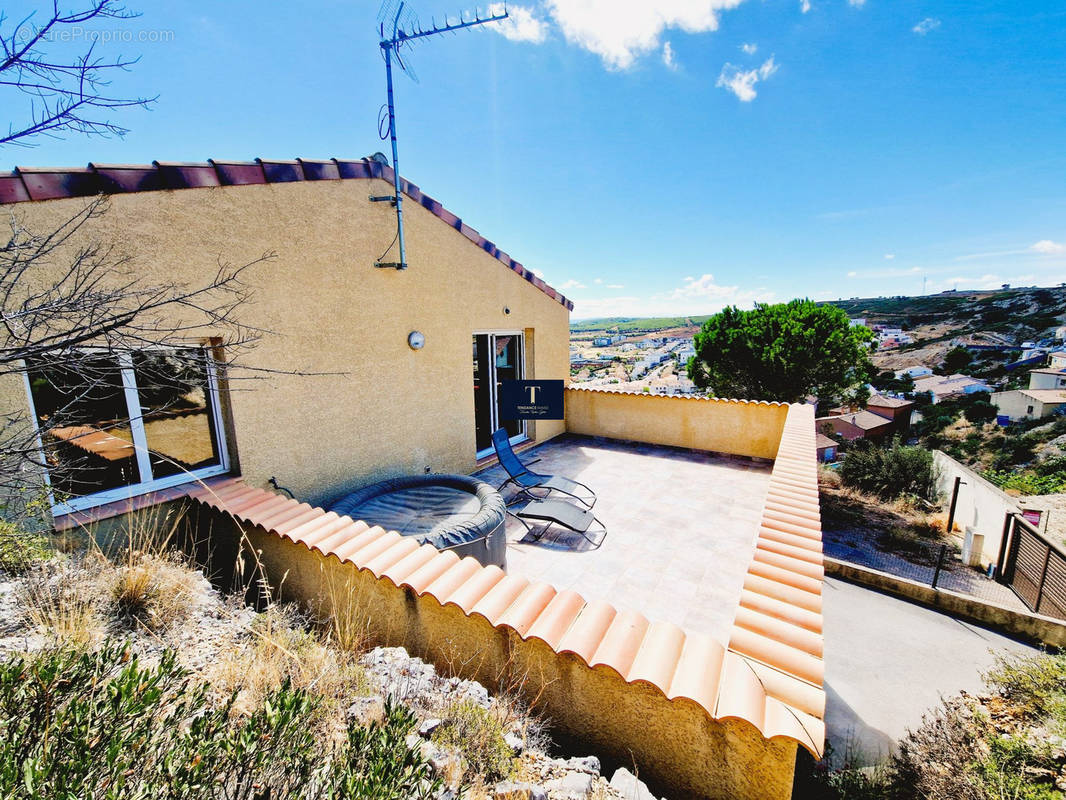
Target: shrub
<point x="100" y="725"/>
<point x="20" y="549"/>
<point x="476" y="734"/>
<point x="893" y="471"/>
<point x="1034" y="684"/>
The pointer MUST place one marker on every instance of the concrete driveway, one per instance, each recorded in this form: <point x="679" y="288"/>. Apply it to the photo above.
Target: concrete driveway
<point x="889" y="661"/>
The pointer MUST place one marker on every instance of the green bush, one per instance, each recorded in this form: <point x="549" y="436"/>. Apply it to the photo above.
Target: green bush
<point x="1027" y="481"/>
<point x="103" y="726"/>
<point x="476" y="733"/>
<point x="19" y="549"/>
<point x="891" y="472"/>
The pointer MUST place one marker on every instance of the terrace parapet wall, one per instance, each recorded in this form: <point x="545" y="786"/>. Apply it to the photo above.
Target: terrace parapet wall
<point x="735" y="427"/>
<point x="699" y="719"/>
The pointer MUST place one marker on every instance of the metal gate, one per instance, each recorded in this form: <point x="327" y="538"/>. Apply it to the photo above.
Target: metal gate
<point x="1034" y="567"/>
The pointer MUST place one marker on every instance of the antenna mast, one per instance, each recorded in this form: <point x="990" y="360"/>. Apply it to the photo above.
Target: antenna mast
<point x="404" y="31"/>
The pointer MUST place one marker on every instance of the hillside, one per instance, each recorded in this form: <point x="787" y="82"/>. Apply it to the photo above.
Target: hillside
<point x="636" y="325"/>
<point x="1007" y="316"/>
<point x="1003" y="319"/>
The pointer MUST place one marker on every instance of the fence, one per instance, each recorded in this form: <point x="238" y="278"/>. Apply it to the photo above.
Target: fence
<point x="933" y="563"/>
<point x="1034" y="567"/>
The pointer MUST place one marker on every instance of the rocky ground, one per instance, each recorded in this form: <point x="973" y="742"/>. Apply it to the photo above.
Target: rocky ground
<point x="492" y="746"/>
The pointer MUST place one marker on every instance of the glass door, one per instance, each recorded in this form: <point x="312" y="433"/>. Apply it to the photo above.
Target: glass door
<point x="497" y="357"/>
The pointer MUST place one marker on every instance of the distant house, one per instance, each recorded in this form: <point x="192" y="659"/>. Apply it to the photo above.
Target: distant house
<point x="1047" y="378"/>
<point x="856" y="322"/>
<point x="1057" y="359"/>
<point x="856" y="425"/>
<point x="917" y="371"/>
<point x="941" y="387"/>
<point x="1030" y="403"/>
<point x="827" y="448"/>
<point x="1060" y="332"/>
<point x="893" y="408"/>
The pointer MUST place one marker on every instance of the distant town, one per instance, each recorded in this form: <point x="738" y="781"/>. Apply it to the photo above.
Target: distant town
<point x="1008" y="345"/>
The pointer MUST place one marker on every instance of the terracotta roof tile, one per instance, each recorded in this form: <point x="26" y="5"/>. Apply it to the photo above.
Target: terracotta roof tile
<point x="52" y="183"/>
<point x="770" y="676"/>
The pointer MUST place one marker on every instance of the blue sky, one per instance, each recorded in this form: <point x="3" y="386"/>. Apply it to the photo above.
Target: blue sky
<point x="652" y="157"/>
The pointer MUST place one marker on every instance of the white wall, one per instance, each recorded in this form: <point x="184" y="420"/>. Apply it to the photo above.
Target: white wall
<point x="981" y="505"/>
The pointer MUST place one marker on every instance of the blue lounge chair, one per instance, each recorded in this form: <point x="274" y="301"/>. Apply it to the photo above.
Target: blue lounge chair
<point x="528" y="481"/>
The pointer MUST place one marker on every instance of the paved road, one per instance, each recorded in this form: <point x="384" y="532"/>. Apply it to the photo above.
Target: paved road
<point x="888" y="661"/>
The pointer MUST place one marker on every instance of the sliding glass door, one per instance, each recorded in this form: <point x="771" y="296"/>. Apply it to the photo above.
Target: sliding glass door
<point x="497" y="357"/>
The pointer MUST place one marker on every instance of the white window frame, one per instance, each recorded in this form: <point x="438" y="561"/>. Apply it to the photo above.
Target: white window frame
<point x="140" y="440"/>
<point x="521" y="334"/>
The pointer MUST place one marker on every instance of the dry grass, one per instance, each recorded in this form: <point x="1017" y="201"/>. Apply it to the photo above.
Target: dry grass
<point x="281" y="648"/>
<point x="61" y="600"/>
<point x="153" y="590"/>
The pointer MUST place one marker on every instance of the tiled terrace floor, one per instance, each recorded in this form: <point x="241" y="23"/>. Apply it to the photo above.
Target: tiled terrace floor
<point x="681" y="529"/>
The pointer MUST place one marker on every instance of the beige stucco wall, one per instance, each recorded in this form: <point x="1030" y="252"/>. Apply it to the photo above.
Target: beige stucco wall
<point x="723" y="426"/>
<point x="388" y="409"/>
<point x="1015" y="404"/>
<point x="676" y="747"/>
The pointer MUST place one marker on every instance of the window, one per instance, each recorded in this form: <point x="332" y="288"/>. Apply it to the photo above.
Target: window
<point x="1029" y="410"/>
<point x="114" y="426"/>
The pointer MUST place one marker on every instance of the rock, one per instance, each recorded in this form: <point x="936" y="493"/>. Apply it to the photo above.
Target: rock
<point x="363" y="709"/>
<point x="508" y="790"/>
<point x="428" y="726"/>
<point x="630" y="786"/>
<point x="572" y="786"/>
<point x="585" y="764"/>
<point x="515" y="742"/>
<point x="441" y="762"/>
<point x="475" y="693"/>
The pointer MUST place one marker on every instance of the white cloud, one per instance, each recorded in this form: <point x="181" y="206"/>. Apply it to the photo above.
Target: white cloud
<point x="521" y="24"/>
<point x="696" y="296"/>
<point x="742" y="82"/>
<point x="805" y="6"/>
<point x="749" y="48"/>
<point x="571" y="284"/>
<point x="598" y="280"/>
<point x="668" y="56"/>
<point x="857" y="3"/>
<point x="927" y="25"/>
<point x="621" y="32"/>
<point x="852" y="274"/>
<point x="615" y="286"/>
<point x="889" y="256"/>
<point x="1048" y="248"/>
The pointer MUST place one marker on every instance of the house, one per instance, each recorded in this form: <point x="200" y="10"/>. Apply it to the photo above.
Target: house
<point x="916" y="371"/>
<point x="826" y="447"/>
<point x="371" y="373"/>
<point x="1047" y="378"/>
<point x="480" y="317"/>
<point x="1057" y="359"/>
<point x="856" y="425"/>
<point x="857" y="322"/>
<point x="941" y="387"/>
<point x="1060" y="333"/>
<point x="1030" y="403"/>
<point x="894" y="408"/>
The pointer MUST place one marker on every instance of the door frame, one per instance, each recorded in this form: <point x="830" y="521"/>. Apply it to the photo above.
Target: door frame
<point x="522" y="436"/>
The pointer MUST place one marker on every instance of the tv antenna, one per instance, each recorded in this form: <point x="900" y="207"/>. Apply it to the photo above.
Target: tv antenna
<point x="399" y="29"/>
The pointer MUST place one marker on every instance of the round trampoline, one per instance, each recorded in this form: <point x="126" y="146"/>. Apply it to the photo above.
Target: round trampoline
<point x="450" y="512"/>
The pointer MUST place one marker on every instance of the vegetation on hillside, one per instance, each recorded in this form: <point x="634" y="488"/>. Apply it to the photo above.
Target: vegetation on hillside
<point x="634" y="325"/>
<point x="1026" y="313"/>
<point x="892" y="471"/>
<point x="781" y="352"/>
<point x="1008" y="742"/>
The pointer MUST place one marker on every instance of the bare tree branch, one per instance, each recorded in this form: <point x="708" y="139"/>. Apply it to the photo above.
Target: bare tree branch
<point x="63" y="95"/>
